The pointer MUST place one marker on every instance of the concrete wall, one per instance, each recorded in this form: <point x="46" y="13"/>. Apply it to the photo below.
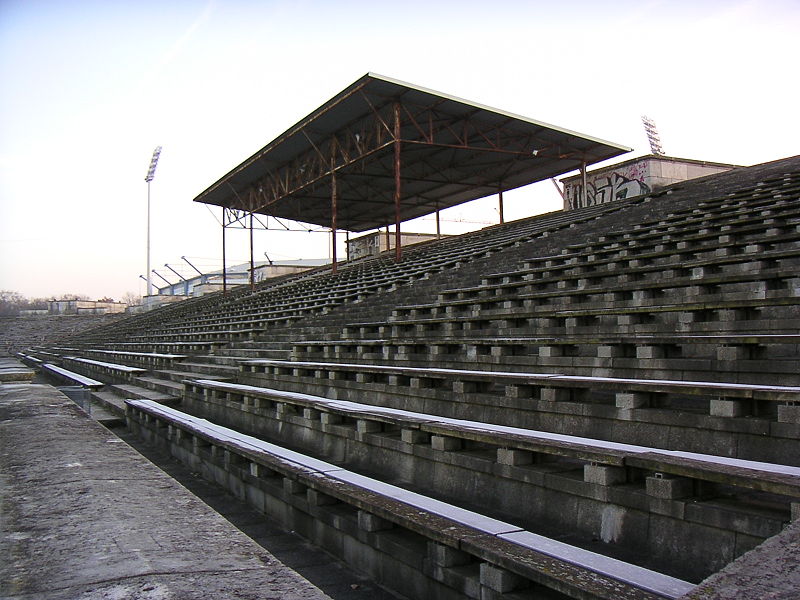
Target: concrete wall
<point x="633" y="178"/>
<point x="79" y="307"/>
<point x="416" y="553"/>
<point x="620" y="508"/>
<point x="374" y="243"/>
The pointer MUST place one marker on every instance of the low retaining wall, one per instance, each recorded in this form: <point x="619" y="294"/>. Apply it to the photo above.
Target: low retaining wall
<point x="417" y="553"/>
<point x="687" y="527"/>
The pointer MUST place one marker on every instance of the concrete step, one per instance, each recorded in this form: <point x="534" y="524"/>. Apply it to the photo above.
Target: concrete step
<point x="109" y="402"/>
<point x="179" y="376"/>
<point x="164" y="386"/>
<point x="212" y="368"/>
<point x="135" y="391"/>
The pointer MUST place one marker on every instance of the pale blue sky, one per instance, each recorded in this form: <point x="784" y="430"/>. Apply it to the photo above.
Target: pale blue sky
<point x="90" y="88"/>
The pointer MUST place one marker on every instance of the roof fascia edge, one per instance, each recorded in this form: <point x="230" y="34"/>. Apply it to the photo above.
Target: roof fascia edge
<point x="504" y="113"/>
<point x="360" y="82"/>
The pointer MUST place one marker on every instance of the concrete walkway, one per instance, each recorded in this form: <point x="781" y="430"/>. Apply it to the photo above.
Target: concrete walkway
<point x="86" y="517"/>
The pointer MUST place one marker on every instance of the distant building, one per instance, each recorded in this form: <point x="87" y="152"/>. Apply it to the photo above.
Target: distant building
<point x="376" y="242"/>
<point x="84" y="307"/>
<point x="634" y="177"/>
<point x="234" y="275"/>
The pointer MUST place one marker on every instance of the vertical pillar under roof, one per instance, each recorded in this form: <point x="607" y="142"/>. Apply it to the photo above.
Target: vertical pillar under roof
<point x="252" y="260"/>
<point x="333" y="219"/>
<point x="398" y="252"/>
<point x="500" y="204"/>
<point x="224" y="278"/>
<point x="585" y="193"/>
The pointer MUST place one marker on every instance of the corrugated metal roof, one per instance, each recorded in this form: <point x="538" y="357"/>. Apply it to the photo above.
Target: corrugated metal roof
<point x="452" y="151"/>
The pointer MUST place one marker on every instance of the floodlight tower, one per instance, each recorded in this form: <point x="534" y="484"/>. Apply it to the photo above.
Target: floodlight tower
<point x="151" y="172"/>
<point x="652" y="135"/>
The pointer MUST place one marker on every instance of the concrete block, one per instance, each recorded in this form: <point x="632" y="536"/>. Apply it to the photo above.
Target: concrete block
<point x="414" y="436"/>
<point x="369" y="522"/>
<point x="327" y="418"/>
<point x="669" y="488"/>
<point x="644" y="352"/>
<point x="519" y="391"/>
<point x="498" y="579"/>
<point x="500" y="351"/>
<point x="720" y="407"/>
<point x="603" y="474"/>
<point x="609" y="351"/>
<point x="445" y="556"/>
<point x="317" y="498"/>
<point x="311" y="414"/>
<point x="366" y="426"/>
<point x="512" y="456"/>
<point x="789" y="413"/>
<point x="548" y="394"/>
<point x="732" y="353"/>
<point x="795" y="511"/>
<point x="290" y="486"/>
<point x="550" y="351"/>
<point x="464" y="387"/>
<point x="445" y="444"/>
<point x="632" y="399"/>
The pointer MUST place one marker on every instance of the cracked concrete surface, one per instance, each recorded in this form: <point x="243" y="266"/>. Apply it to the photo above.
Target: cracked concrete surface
<point x="84" y="516"/>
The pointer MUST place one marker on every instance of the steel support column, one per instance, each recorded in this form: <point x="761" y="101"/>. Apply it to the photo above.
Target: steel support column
<point x="252" y="260"/>
<point x="333" y="219"/>
<point x="584" y="191"/>
<point x="500" y="205"/>
<point x="224" y="278"/>
<point x="398" y="252"/>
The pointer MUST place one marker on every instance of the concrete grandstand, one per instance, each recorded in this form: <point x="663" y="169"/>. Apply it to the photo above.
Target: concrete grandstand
<point x="596" y="403"/>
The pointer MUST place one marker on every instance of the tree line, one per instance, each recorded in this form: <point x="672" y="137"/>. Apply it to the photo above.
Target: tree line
<point x="12" y="303"/>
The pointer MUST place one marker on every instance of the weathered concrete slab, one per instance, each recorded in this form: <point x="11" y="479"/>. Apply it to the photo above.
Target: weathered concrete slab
<point x="85" y="516"/>
<point x="13" y="371"/>
<point x="772" y="570"/>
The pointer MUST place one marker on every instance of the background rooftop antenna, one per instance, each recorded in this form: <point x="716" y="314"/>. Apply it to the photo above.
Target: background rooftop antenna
<point x="151" y="172"/>
<point x="652" y="135"/>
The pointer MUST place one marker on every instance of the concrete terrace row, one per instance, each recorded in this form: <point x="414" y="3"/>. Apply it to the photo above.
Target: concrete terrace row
<point x="623" y="379"/>
<point x="218" y="319"/>
<point x="395" y="533"/>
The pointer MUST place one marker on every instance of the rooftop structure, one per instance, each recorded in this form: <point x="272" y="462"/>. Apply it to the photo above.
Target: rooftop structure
<point x="633" y="177"/>
<point x="385" y="146"/>
<point x="383" y="151"/>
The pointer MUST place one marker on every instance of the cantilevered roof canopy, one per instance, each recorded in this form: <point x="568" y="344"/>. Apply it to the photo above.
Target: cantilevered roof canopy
<point x="381" y="140"/>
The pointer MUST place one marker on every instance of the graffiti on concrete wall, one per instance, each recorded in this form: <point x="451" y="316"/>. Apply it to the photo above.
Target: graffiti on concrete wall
<point x="609" y="186"/>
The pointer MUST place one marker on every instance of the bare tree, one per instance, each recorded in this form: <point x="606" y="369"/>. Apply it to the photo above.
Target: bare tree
<point x="11" y="303"/>
<point x="131" y="298"/>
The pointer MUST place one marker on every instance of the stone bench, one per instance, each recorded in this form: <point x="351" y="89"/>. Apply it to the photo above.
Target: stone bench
<point x="111" y="371"/>
<point x="582" y="292"/>
<point x="747" y="357"/>
<point x="698" y="317"/>
<point x="72" y="377"/>
<point x="509" y="557"/>
<point x="724" y="399"/>
<point x="522" y="443"/>
<point x="151" y="359"/>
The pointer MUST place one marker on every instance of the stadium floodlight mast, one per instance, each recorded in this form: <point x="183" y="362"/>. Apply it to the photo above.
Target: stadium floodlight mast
<point x="652" y="135"/>
<point x="151" y="172"/>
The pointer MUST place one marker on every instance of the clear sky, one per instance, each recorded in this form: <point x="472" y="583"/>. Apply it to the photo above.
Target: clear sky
<point x="89" y="88"/>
